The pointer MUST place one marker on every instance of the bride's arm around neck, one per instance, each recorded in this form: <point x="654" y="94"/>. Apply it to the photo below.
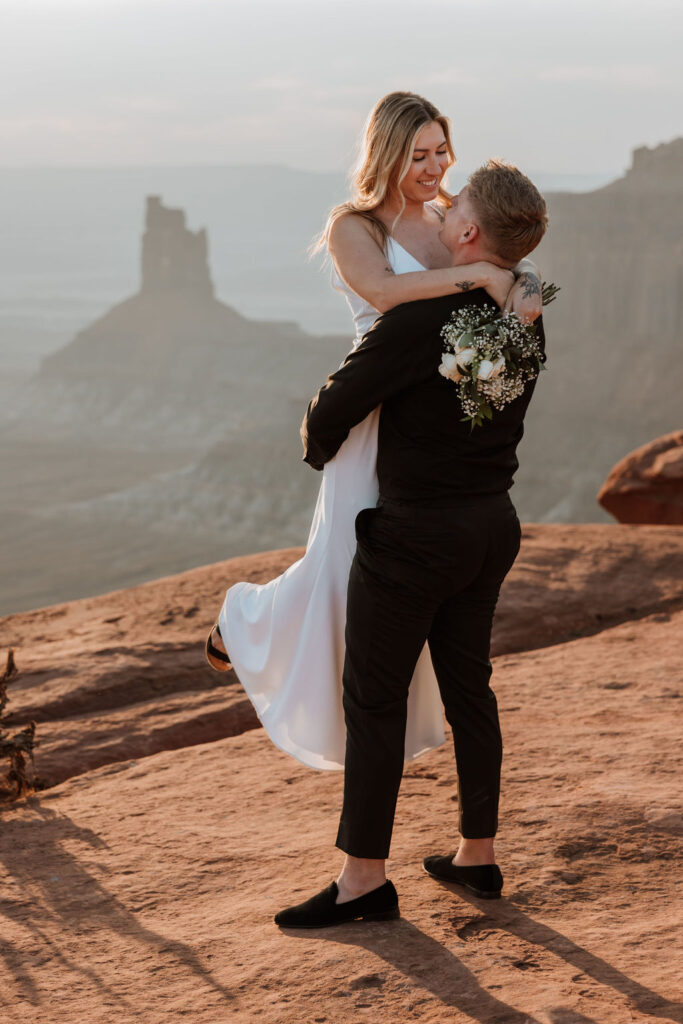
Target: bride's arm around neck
<point x="364" y="267"/>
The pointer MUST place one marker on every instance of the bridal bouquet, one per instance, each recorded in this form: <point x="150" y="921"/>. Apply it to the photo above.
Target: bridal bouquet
<point x="490" y="355"/>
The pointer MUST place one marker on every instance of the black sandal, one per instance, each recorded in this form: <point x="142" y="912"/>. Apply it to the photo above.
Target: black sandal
<point x="213" y="653"/>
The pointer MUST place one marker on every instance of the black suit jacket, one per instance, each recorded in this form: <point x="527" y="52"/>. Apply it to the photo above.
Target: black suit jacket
<point x="426" y="453"/>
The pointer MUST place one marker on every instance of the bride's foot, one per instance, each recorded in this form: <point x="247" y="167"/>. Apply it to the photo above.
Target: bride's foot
<point x="216" y="654"/>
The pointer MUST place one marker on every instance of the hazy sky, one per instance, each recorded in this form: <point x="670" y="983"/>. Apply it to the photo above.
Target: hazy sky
<point x="558" y="87"/>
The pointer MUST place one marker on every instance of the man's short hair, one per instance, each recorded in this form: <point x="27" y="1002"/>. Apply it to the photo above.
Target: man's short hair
<point x="511" y="210"/>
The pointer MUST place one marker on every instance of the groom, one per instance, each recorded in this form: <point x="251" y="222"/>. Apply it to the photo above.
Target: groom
<point x="429" y="562"/>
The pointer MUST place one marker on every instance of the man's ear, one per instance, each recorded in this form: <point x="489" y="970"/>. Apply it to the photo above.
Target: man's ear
<point x="469" y="234"/>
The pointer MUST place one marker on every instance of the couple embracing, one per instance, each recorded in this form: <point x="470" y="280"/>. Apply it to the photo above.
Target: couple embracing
<point x="352" y="655"/>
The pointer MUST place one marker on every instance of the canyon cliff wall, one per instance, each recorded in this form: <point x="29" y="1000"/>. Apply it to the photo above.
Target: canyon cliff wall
<point x="614" y="334"/>
<point x="166" y="433"/>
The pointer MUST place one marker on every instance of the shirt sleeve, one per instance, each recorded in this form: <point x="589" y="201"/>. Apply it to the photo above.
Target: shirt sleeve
<point x="388" y="360"/>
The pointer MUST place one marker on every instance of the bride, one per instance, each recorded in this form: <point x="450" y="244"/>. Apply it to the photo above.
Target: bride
<point x="285" y="638"/>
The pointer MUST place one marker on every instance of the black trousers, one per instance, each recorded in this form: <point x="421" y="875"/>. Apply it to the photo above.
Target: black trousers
<point x="422" y="574"/>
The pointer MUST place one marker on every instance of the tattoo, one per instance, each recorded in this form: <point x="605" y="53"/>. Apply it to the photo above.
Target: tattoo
<point x="530" y="285"/>
<point x="464" y="286"/>
<point x="389" y="270"/>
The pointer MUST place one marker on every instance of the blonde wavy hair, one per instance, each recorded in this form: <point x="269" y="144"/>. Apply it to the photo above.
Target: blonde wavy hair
<point x="384" y="160"/>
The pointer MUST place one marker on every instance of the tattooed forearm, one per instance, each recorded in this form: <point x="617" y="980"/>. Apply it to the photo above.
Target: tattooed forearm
<point x="464" y="286"/>
<point x="530" y="285"/>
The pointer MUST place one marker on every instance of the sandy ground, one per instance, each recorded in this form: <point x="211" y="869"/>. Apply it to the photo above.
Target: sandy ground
<point x="144" y="889"/>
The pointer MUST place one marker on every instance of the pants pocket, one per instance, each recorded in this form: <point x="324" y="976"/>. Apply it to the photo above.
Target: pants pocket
<point x="362" y="522"/>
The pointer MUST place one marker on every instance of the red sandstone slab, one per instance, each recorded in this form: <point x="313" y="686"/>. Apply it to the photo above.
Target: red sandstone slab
<point x="144" y="891"/>
<point x="123" y="675"/>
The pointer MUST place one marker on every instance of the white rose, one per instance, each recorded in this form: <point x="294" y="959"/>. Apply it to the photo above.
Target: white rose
<point x="464" y="357"/>
<point x="449" y="367"/>
<point x="498" y="366"/>
<point x="485" y="369"/>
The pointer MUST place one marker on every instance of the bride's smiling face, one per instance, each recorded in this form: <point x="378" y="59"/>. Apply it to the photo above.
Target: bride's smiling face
<point x="428" y="165"/>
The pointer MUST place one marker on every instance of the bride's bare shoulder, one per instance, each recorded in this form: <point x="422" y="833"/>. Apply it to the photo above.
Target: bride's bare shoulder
<point x="350" y="231"/>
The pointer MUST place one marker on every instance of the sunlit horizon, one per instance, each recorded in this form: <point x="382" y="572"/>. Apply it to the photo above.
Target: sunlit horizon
<point x="567" y="89"/>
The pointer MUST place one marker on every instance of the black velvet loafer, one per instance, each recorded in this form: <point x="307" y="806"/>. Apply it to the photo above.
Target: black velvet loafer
<point x="321" y="911"/>
<point x="484" y="880"/>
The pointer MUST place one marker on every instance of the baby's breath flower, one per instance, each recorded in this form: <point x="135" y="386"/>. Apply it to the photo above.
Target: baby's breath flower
<point x="490" y="356"/>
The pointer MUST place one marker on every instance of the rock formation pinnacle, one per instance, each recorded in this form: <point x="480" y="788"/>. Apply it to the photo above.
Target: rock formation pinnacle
<point x="173" y="258"/>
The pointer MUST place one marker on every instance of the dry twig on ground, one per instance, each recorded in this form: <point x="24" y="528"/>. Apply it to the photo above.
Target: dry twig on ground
<point x="16" y="749"/>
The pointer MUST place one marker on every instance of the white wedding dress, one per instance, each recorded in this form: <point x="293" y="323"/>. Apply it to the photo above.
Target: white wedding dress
<point x="285" y="638"/>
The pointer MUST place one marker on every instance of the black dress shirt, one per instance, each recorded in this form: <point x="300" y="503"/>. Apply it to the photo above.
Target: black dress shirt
<point x="427" y="455"/>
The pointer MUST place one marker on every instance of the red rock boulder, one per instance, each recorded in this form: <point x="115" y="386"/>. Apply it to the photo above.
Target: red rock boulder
<point x="647" y="485"/>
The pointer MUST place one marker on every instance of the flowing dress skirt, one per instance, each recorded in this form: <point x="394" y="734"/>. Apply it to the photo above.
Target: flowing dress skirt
<point x="285" y="638"/>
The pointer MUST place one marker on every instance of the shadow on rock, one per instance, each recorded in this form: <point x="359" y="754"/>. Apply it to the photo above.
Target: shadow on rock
<point x="58" y="894"/>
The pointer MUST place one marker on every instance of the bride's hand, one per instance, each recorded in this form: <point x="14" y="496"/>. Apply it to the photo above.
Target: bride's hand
<point x="499" y="283"/>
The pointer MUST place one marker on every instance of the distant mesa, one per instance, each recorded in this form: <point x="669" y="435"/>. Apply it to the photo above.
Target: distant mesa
<point x="171" y="327"/>
<point x="174" y="330"/>
<point x="658" y="167"/>
<point x="647" y="485"/>
<point x="173" y="258"/>
<point x="173" y="370"/>
<point x="172" y="365"/>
